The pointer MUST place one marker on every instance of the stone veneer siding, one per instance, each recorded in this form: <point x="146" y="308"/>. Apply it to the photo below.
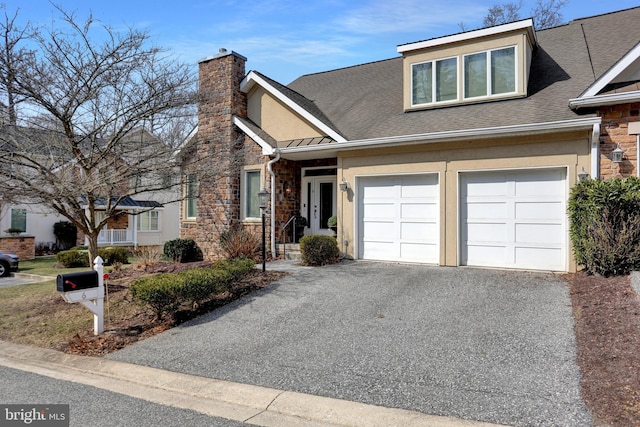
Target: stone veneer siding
<point x="614" y="133"/>
<point x="23" y="246"/>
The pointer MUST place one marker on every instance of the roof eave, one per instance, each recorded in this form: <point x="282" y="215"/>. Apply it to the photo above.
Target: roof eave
<point x="330" y="150"/>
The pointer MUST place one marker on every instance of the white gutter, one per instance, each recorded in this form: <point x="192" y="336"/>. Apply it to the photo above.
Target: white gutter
<point x="273" y="202"/>
<point x="436" y="137"/>
<point x="600" y="100"/>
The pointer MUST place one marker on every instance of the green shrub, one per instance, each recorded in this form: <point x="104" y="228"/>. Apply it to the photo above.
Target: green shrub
<point x="66" y="234"/>
<point x="605" y="225"/>
<point x="182" y="250"/>
<point x="166" y="293"/>
<point x="319" y="250"/>
<point x="73" y="258"/>
<point x="239" y="244"/>
<point x="159" y="292"/>
<point x="113" y="255"/>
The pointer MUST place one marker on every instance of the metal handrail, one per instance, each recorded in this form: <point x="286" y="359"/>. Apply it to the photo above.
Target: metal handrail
<point x="293" y="218"/>
<point x="293" y="234"/>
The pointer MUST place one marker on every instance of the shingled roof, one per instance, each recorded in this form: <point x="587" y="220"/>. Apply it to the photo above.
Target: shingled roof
<point x="365" y="101"/>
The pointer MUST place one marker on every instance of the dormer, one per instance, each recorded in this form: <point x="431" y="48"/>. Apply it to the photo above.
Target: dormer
<point x="475" y="66"/>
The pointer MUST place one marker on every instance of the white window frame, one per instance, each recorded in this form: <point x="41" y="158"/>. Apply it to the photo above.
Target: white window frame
<point x="433" y="63"/>
<point x="489" y="88"/>
<point x="188" y="180"/>
<point x="244" y="191"/>
<point x="149" y="221"/>
<point x="21" y="212"/>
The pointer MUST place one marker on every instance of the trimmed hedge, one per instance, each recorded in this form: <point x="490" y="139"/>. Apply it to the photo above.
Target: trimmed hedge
<point x="73" y="258"/>
<point x="605" y="225"/>
<point x="166" y="293"/>
<point x="182" y="250"/>
<point x="80" y="258"/>
<point x="319" y="250"/>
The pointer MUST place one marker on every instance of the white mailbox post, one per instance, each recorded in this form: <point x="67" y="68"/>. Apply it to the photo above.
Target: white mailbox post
<point x="86" y="289"/>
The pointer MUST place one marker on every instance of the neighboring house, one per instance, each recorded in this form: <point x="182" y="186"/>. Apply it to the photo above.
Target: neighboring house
<point x="461" y="151"/>
<point x="150" y="219"/>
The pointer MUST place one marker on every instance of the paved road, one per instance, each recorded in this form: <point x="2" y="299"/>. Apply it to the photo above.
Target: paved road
<point x="90" y="406"/>
<point x="488" y="345"/>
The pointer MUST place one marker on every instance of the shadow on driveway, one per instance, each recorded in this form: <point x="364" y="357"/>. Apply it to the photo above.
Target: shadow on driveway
<point x="488" y="345"/>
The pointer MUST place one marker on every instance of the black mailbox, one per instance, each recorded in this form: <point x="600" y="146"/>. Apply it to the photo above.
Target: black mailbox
<point x="76" y="281"/>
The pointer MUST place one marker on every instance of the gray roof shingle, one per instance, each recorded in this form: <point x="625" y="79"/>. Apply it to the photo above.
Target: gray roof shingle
<point x="365" y="101"/>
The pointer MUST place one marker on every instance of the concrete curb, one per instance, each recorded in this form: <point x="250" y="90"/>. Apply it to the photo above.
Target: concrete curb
<point x="240" y="402"/>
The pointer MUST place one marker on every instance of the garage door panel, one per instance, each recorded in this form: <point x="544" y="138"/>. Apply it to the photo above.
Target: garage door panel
<point x="485" y="254"/>
<point x="514" y="218"/>
<point x="478" y="210"/>
<point x="548" y="234"/>
<point x="417" y="252"/>
<point x="539" y="210"/>
<point x="540" y="258"/>
<point x="488" y="232"/>
<point x="423" y="231"/>
<point x="379" y="230"/>
<point x="418" y="210"/>
<point x="399" y="218"/>
<point x="379" y="210"/>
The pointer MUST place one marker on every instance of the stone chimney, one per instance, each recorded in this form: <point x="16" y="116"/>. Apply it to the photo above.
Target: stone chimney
<point x="219" y="144"/>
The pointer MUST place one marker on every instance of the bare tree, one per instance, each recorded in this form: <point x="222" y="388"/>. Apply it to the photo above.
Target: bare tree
<point x="546" y="13"/>
<point x="90" y="92"/>
<point x="502" y="13"/>
<point x="11" y="55"/>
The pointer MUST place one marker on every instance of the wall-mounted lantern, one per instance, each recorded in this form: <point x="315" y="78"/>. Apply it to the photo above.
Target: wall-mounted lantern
<point x="582" y="175"/>
<point x="344" y="186"/>
<point x="617" y="155"/>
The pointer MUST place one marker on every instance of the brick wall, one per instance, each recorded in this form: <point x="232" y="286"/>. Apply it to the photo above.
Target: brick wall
<point x="23" y="246"/>
<point x="614" y="133"/>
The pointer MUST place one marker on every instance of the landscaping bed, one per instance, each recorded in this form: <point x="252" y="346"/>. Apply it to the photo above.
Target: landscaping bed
<point x="607" y="326"/>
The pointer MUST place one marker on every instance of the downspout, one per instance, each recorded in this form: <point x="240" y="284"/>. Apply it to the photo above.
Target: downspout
<point x="273" y="202"/>
<point x="595" y="151"/>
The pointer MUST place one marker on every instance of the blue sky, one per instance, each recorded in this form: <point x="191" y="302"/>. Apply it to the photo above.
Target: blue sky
<point x="285" y="39"/>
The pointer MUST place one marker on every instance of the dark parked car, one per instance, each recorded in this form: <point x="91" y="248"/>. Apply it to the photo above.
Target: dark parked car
<point x="8" y="263"/>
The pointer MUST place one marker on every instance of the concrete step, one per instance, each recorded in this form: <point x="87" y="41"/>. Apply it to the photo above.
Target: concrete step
<point x="289" y="251"/>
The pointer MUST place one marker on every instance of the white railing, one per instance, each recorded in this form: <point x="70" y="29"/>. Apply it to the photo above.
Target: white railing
<point x="110" y="237"/>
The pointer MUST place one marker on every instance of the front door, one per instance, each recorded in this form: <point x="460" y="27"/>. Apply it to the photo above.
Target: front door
<point x="318" y="203"/>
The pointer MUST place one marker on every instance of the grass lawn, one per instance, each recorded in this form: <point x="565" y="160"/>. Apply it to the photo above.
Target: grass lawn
<point x="36" y="314"/>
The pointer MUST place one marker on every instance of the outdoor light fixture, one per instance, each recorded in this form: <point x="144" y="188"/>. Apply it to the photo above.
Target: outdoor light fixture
<point x="616" y="155"/>
<point x="582" y="175"/>
<point x="344" y="186"/>
<point x="263" y="202"/>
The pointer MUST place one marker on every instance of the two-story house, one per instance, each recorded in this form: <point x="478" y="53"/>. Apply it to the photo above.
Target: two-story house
<point x="462" y="150"/>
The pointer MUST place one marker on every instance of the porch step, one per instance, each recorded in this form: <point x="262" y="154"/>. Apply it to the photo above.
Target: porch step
<point x="289" y="251"/>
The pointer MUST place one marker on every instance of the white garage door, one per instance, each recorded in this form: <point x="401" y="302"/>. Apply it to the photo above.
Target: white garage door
<point x="514" y="219"/>
<point x="398" y="218"/>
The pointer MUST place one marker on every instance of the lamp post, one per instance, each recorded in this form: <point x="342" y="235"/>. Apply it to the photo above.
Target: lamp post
<point x="263" y="201"/>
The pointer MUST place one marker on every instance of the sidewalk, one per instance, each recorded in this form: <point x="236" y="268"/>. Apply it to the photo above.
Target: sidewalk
<point x="234" y="401"/>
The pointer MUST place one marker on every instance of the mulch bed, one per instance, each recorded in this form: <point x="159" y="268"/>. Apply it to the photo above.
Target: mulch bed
<point x="607" y="326"/>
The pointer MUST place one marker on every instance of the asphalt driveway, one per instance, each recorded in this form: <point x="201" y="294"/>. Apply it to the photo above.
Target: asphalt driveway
<point x="487" y="345"/>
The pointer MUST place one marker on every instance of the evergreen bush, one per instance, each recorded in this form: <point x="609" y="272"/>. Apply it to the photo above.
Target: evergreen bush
<point x="182" y="250"/>
<point x="319" y="250"/>
<point x="73" y="258"/>
<point x="605" y="225"/>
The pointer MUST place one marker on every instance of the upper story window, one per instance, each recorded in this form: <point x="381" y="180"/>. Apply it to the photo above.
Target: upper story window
<point x="474" y="66"/>
<point x="19" y="219"/>
<point x="490" y="73"/>
<point x="435" y="81"/>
